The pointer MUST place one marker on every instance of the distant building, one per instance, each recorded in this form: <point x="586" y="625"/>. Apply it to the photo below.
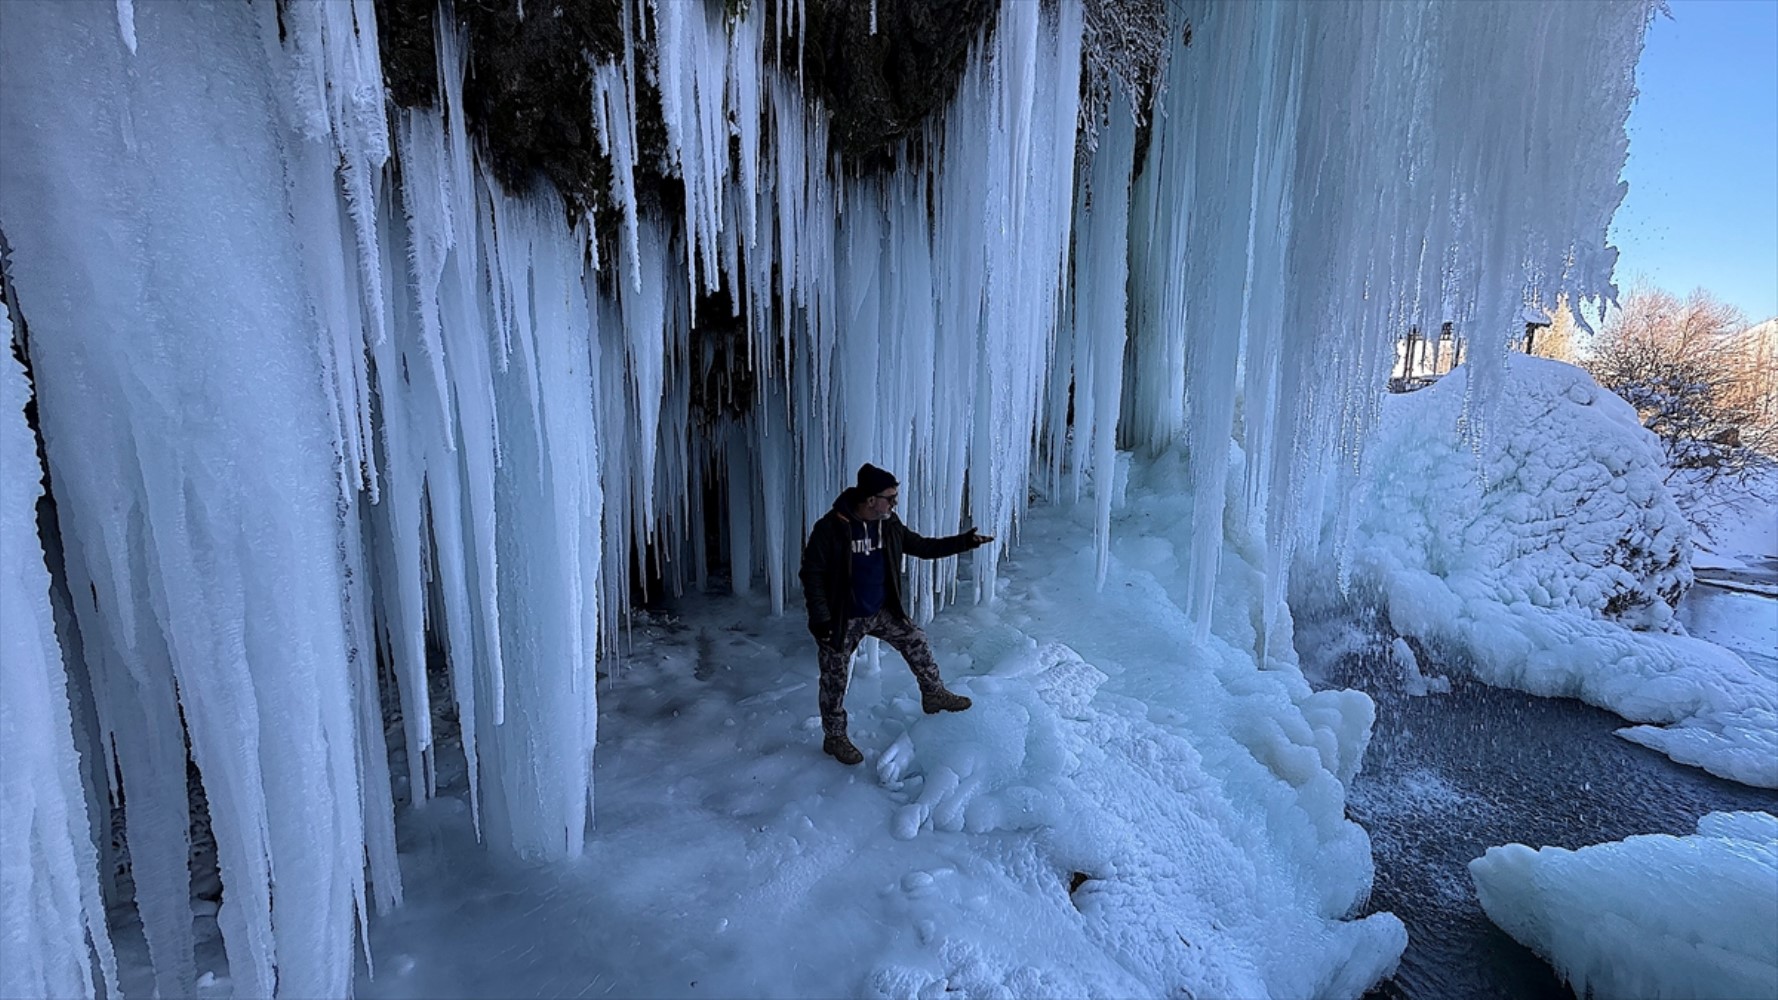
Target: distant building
<point x="1421" y="360"/>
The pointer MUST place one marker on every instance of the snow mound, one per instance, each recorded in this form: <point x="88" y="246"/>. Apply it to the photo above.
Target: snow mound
<point x="1191" y="805"/>
<point x="1572" y="512"/>
<point x="1651" y="916"/>
<point x="1548" y="557"/>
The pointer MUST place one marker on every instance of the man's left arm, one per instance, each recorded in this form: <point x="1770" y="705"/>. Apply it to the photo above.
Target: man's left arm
<point x="921" y="547"/>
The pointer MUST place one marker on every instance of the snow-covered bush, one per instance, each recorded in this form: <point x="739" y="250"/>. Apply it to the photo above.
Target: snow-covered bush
<point x="1543" y="552"/>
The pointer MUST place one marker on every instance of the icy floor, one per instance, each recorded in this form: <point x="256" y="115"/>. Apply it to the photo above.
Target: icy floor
<point x="730" y="857"/>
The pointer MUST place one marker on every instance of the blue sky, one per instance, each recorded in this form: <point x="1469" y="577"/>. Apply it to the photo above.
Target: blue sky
<point x="1703" y="170"/>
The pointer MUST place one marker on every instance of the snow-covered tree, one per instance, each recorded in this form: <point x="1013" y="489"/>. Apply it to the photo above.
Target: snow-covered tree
<point x="1680" y="363"/>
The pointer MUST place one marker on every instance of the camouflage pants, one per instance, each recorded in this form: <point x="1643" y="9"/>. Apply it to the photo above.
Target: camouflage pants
<point x="903" y="635"/>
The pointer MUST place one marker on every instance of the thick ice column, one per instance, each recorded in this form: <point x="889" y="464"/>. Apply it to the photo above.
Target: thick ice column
<point x="1032" y="104"/>
<point x="537" y="762"/>
<point x="738" y="464"/>
<point x="1101" y="267"/>
<point x="190" y="441"/>
<point x="52" y="922"/>
<point x="398" y="520"/>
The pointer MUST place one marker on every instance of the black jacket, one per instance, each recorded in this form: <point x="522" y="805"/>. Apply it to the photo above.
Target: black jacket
<point x="827" y="565"/>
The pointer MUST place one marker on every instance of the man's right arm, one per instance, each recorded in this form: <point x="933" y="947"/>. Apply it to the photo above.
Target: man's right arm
<point x="814" y="577"/>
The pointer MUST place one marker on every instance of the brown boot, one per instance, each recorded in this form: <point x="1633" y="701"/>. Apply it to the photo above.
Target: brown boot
<point x="942" y="700"/>
<point x="841" y="749"/>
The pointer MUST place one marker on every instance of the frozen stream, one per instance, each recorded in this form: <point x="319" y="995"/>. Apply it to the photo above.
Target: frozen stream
<point x="1448" y="776"/>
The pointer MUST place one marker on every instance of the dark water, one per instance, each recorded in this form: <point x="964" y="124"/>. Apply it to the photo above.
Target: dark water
<point x="1450" y="775"/>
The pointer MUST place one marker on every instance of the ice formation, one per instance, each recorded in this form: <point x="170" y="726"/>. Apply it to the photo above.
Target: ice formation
<point x="317" y="393"/>
<point x="49" y="889"/>
<point x="1650" y="916"/>
<point x="1529" y="557"/>
<point x="1124" y="812"/>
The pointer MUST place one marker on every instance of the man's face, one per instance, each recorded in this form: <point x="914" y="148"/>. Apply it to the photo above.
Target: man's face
<point x="879" y="506"/>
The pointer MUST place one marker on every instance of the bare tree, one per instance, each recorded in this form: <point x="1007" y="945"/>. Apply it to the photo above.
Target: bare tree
<point x="1685" y="366"/>
<point x="1559" y="339"/>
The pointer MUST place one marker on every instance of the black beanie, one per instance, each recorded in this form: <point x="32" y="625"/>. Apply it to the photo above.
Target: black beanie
<point x="872" y="480"/>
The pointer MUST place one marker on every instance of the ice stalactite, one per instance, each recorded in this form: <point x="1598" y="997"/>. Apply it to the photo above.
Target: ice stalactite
<point x="1087" y="373"/>
<point x="320" y="397"/>
<point x="52" y="922"/>
<point x="692" y="71"/>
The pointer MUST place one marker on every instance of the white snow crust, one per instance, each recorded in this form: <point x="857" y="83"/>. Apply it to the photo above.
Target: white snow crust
<point x="1649" y="916"/>
<point x="1544" y="551"/>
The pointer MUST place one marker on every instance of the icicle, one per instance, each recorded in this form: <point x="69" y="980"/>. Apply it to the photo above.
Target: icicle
<point x="1101" y="262"/>
<point x="614" y="116"/>
<point x="52" y="922"/>
<point x="468" y="360"/>
<point x="691" y="50"/>
<point x="1030" y="186"/>
<point x="745" y="65"/>
<point x="171" y="497"/>
<point x="126" y="23"/>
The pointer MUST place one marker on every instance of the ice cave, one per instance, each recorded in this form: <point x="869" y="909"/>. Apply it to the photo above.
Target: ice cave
<point x="377" y="366"/>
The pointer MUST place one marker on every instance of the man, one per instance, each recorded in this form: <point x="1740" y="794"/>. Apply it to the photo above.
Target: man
<point x="852" y="582"/>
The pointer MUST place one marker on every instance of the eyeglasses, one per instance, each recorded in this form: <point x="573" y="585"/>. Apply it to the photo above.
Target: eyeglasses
<point x="890" y="498"/>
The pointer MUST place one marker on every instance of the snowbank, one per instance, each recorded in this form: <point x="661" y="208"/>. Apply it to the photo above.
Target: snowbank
<point x="1654" y="916"/>
<point x="1548" y="559"/>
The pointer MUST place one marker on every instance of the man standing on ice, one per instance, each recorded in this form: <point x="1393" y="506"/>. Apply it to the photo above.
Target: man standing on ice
<point x="852" y="582"/>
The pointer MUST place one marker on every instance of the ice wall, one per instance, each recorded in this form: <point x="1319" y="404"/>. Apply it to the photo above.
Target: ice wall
<point x="192" y="449"/>
<point x="323" y="403"/>
<point x="1326" y="176"/>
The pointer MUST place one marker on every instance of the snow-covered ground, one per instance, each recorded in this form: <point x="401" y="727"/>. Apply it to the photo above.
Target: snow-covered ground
<point x="1741" y="546"/>
<point x="1545" y="554"/>
<point x="1124" y="812"/>
<point x="1652" y="916"/>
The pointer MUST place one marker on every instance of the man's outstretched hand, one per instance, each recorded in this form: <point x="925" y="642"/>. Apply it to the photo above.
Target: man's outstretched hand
<point x="976" y="539"/>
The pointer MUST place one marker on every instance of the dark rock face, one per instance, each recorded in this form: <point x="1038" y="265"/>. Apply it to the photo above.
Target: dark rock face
<point x="882" y="87"/>
<point x="527" y="94"/>
<point x="405" y="43"/>
<point x="528" y="91"/>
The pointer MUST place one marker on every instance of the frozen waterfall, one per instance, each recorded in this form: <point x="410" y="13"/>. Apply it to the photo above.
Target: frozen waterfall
<point x="320" y="398"/>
